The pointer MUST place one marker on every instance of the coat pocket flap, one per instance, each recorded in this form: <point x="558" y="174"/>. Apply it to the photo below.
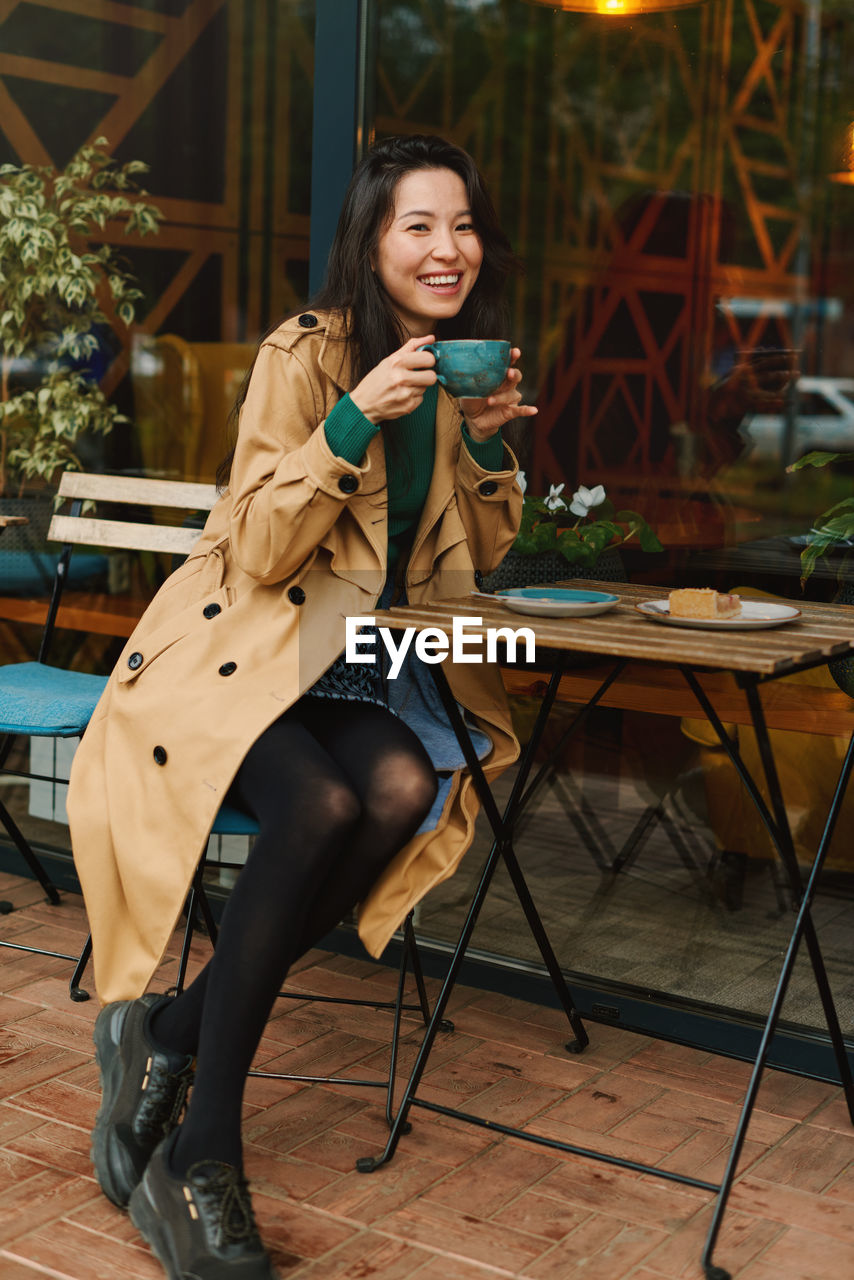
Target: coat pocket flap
<point x="140" y="653"/>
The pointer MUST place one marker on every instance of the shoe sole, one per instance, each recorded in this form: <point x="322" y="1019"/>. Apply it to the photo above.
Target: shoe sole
<point x="149" y="1222"/>
<point x="114" y="1169"/>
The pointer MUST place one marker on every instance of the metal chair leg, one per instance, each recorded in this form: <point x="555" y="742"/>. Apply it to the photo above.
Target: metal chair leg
<point x="395" y="1038"/>
<point x="29" y="857"/>
<point x="196" y="896"/>
<point x="74" y="989"/>
<point x="418" y="974"/>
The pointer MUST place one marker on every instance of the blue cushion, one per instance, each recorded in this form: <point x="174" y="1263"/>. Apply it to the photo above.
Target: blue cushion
<point x="32" y="572"/>
<point x="232" y="822"/>
<point x="46" y="702"/>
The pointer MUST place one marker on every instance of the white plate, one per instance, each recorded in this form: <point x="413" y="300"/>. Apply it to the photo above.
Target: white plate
<point x="553" y="602"/>
<point x="754" y="614"/>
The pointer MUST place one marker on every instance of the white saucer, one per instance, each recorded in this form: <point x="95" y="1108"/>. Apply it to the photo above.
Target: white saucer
<point x="554" y="602"/>
<point x="754" y="614"/>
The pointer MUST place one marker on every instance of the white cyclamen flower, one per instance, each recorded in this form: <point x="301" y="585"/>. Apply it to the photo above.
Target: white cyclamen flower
<point x="522" y="480"/>
<point x="584" y="499"/>
<point x="554" y="501"/>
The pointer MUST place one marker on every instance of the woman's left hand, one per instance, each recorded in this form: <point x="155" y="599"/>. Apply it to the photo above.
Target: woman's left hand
<point x="485" y="417"/>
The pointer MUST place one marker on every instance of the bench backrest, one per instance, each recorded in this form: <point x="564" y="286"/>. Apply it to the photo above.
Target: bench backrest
<point x="93" y="531"/>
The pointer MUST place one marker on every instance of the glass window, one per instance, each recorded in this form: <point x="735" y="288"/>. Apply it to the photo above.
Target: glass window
<point x="216" y="99"/>
<point x="680" y="191"/>
<point x="814" y="404"/>
<point x="217" y="102"/>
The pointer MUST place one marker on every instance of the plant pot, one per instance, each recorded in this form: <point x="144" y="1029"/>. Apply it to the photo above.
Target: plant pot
<point x="25" y="567"/>
<point x="28" y="560"/>
<point x="842" y="669"/>
<point x="38" y="509"/>
<point x="517" y="570"/>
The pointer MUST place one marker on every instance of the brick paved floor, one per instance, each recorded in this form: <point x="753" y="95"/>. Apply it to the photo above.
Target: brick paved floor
<point x="457" y="1202"/>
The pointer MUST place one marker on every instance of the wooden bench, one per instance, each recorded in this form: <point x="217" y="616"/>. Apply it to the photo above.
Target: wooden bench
<point x="101" y="613"/>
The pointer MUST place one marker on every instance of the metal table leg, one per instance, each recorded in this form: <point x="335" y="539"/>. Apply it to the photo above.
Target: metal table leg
<point x="502" y="828"/>
<point x="780" y="832"/>
<point x="802" y="920"/>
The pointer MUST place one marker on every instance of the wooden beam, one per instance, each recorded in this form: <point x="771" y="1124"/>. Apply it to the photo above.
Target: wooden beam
<point x="662" y="691"/>
<point x="101" y="615"/>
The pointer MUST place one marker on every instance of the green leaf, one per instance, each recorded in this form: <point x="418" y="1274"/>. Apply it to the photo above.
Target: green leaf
<point x="545" y="536"/>
<point x="839" y="527"/>
<point x="847" y="504"/>
<point x="526" y="544"/>
<point x="648" y="540"/>
<point x="818" y="458"/>
<point x="811" y="554"/>
<point x="575" y="551"/>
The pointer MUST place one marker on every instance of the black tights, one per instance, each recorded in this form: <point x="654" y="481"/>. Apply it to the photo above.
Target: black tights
<point x="337" y="789"/>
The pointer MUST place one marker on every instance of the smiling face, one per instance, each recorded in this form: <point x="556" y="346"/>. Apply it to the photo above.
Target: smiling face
<point x="429" y="255"/>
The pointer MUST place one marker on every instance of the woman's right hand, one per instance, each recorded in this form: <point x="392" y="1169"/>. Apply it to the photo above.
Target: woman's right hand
<point x="397" y="384"/>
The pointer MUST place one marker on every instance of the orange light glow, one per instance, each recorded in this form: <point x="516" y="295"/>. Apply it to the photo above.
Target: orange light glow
<point x="617" y="8"/>
<point x="846" y="173"/>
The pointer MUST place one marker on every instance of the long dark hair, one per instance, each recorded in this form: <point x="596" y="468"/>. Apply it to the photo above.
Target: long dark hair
<point x="352" y="289"/>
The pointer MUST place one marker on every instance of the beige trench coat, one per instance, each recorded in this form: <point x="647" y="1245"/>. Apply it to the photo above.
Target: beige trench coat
<point x="245" y="626"/>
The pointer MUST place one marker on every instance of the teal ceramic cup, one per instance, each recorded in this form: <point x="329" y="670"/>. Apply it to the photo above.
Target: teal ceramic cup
<point x="470" y="366"/>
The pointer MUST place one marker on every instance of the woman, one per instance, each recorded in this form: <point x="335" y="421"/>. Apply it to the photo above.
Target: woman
<point x="354" y="477"/>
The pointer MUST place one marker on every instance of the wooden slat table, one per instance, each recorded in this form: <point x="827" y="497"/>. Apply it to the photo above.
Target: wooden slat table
<point x="658" y="689"/>
<point x="822" y="632"/>
<point x="708" y="663"/>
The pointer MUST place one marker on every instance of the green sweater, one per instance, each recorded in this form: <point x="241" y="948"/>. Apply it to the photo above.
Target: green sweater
<point x="349" y="432"/>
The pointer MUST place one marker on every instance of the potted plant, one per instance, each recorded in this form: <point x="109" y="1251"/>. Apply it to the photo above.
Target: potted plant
<point x="579" y="539"/>
<point x="833" y="528"/>
<point x="57" y="289"/>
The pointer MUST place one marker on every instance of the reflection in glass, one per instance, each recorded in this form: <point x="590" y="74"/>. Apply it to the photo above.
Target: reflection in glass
<point x="685" y="321"/>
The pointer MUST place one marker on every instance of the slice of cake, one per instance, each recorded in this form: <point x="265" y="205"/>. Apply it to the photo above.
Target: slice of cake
<point x="703" y="602"/>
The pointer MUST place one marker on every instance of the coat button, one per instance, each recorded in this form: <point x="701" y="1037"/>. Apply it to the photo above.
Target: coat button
<point x="348" y="484"/>
<point x="487" y="488"/>
<point x="308" y="321"/>
<point x="296" y="595"/>
<point x="160" y="756"/>
<point x="228" y="668"/>
<point x="211" y="610"/>
<point x="135" y="661"/>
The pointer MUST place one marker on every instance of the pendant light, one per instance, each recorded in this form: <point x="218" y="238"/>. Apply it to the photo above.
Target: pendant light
<point x="846" y="173"/>
<point x="617" y="8"/>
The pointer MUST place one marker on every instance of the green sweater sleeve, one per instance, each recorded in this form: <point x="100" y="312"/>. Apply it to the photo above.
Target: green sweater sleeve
<point x="349" y="432"/>
<point x="488" y="454"/>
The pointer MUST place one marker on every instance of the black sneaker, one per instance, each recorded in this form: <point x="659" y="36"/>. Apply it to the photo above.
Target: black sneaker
<point x="200" y="1227"/>
<point x="143" y="1094"/>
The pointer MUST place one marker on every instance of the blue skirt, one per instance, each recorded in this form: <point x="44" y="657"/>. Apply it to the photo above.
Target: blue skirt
<point x="414" y="698"/>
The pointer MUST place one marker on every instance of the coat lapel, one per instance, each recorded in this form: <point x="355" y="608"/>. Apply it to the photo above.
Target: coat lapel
<point x="441" y="491"/>
<point x="369" y="507"/>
